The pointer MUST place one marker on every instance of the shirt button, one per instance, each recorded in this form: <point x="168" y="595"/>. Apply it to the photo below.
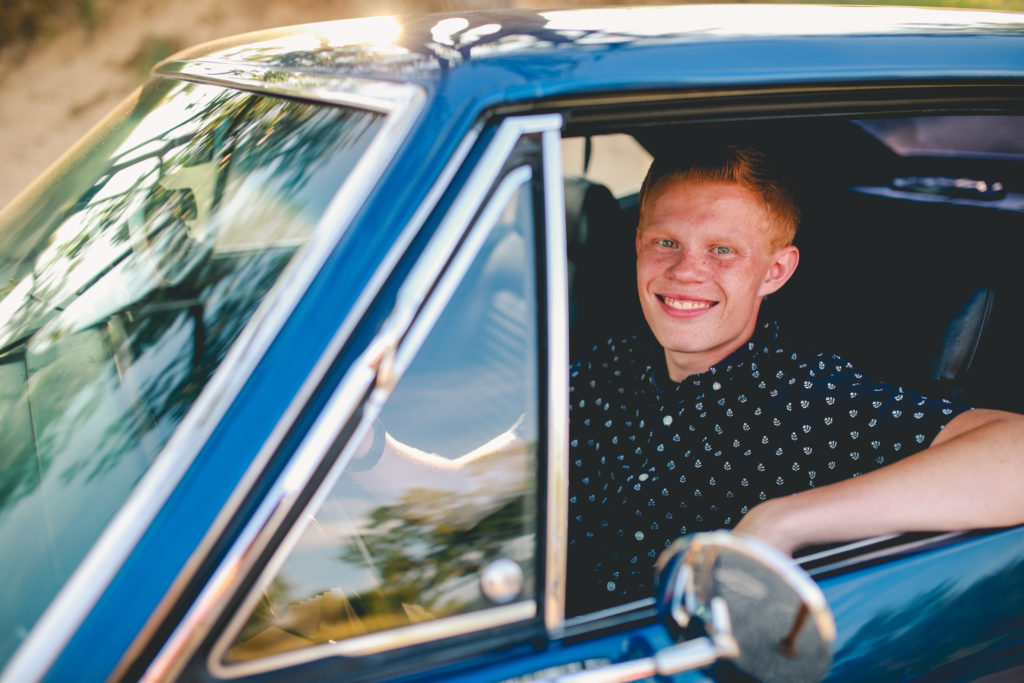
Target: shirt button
<point x="639" y="535"/>
<point x="643" y="477"/>
<point x="610" y="585"/>
<point x="667" y="420"/>
<point x="716" y="386"/>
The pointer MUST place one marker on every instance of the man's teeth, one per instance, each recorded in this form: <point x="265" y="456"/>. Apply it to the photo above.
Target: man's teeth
<point x="687" y="305"/>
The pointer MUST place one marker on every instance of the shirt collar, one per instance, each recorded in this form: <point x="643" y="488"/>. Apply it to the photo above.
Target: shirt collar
<point x="763" y="342"/>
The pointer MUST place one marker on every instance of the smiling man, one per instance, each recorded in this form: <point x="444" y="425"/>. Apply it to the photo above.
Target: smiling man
<point x="724" y="424"/>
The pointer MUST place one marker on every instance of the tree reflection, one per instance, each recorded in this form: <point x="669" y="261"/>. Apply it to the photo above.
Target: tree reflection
<point x="126" y="296"/>
<point x="425" y="565"/>
<point x="284" y="143"/>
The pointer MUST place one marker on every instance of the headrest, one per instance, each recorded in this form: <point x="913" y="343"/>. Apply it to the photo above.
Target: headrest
<point x="963" y="336"/>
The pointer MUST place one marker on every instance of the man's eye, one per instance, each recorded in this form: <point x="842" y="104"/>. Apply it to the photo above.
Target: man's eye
<point x="666" y="243"/>
<point x="721" y="251"/>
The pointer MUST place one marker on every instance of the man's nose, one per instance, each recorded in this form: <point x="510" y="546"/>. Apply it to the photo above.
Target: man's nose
<point x="689" y="264"/>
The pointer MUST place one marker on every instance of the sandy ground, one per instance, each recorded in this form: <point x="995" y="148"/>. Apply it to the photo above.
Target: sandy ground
<point x="54" y="92"/>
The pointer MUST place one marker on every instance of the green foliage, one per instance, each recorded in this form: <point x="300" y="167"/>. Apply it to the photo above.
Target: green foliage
<point x="420" y="562"/>
<point x="22" y="21"/>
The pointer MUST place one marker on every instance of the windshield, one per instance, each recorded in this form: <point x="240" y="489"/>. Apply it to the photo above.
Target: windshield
<point x="125" y="277"/>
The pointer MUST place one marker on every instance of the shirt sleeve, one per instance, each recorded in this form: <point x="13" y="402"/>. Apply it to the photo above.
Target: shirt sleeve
<point x="861" y="424"/>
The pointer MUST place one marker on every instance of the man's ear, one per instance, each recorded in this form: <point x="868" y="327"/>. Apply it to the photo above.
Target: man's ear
<point x="781" y="269"/>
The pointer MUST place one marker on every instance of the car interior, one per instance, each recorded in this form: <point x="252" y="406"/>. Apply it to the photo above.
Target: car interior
<point x="909" y="247"/>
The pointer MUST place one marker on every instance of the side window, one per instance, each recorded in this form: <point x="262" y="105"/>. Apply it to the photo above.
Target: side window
<point x="432" y="530"/>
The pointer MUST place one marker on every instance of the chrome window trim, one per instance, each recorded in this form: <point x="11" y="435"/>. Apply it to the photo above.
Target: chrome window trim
<point x="844" y="548"/>
<point x="196" y="623"/>
<point x="363" y="93"/>
<point x="81" y="592"/>
<point x="556" y="259"/>
<point x="295" y="478"/>
<point x="871" y="549"/>
<point x="200" y="616"/>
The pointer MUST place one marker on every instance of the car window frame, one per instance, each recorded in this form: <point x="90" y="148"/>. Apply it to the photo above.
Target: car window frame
<point x="591" y="118"/>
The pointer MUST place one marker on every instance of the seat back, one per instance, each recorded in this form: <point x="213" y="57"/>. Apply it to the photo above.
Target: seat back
<point x="889" y="285"/>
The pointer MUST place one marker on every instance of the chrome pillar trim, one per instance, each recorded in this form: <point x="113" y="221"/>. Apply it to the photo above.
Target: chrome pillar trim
<point x="363" y="93"/>
<point x="198" y="619"/>
<point x="282" y="498"/>
<point x="208" y="605"/>
<point x="90" y="579"/>
<point x="557" y="544"/>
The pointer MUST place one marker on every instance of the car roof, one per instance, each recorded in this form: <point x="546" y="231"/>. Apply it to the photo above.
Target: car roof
<point x="497" y="52"/>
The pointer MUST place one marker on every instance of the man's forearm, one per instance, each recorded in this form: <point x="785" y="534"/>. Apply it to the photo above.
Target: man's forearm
<point x="971" y="477"/>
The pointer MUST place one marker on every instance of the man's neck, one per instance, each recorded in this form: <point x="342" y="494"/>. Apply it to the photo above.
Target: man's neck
<point x="682" y="364"/>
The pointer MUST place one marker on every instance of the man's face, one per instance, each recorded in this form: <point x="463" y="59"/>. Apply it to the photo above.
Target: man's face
<point x="704" y="261"/>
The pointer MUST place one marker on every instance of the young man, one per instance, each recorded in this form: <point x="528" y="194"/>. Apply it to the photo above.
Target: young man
<point x="725" y="425"/>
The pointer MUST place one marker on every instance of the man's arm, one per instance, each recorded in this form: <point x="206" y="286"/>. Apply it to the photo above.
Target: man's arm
<point x="971" y="477"/>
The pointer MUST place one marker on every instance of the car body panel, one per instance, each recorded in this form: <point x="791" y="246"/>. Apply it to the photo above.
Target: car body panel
<point x="963" y="598"/>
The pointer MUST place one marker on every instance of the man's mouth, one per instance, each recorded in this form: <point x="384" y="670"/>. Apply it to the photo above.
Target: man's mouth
<point x="685" y="304"/>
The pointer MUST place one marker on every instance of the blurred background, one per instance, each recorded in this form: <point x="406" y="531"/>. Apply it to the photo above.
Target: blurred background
<point x="66" y="63"/>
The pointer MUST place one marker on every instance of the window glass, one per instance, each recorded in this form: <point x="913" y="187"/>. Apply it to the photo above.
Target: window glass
<point x="126" y="277"/>
<point x="950" y="136"/>
<point x="616" y="161"/>
<point x="452" y="492"/>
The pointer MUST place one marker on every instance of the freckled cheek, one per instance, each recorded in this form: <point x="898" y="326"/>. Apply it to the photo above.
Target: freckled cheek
<point x="731" y="277"/>
<point x="648" y="266"/>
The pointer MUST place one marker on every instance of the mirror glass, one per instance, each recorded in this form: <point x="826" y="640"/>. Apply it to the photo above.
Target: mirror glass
<point x="776" y="613"/>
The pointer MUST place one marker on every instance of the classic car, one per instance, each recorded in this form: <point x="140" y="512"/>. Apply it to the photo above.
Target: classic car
<point x="287" y="240"/>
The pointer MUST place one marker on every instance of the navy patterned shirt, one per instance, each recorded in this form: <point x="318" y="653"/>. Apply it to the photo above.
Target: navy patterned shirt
<point x="651" y="459"/>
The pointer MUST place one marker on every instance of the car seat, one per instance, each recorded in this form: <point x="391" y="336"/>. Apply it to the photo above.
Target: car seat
<point x="602" y="267"/>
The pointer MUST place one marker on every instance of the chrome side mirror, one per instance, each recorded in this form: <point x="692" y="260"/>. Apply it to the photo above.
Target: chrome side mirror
<point x="759" y="610"/>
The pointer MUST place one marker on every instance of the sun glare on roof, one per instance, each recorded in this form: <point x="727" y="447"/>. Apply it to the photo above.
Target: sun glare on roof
<point x="370" y="30"/>
<point x="443" y="31"/>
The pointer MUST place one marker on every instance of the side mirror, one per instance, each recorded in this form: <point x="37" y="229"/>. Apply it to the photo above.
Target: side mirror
<point x="759" y="610"/>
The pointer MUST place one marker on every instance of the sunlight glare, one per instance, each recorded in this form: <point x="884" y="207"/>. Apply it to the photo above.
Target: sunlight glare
<point x="443" y="30"/>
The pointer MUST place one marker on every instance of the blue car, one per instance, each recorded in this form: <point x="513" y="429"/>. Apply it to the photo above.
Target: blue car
<point x="291" y="248"/>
